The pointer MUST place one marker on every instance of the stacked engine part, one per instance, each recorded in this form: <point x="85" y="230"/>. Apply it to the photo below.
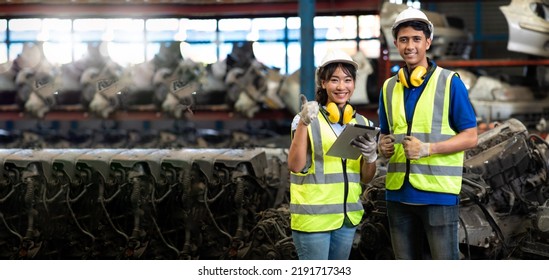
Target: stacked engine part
<point x="167" y="84"/>
<point x="116" y="134"/>
<point x="232" y="203"/>
<point x="135" y="203"/>
<point x="504" y="206"/>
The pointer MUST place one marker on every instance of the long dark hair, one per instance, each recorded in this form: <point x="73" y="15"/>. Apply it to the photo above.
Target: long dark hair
<point x="325" y="73"/>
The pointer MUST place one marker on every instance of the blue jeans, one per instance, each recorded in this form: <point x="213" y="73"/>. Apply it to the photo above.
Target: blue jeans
<point x="328" y="245"/>
<point x="411" y="225"/>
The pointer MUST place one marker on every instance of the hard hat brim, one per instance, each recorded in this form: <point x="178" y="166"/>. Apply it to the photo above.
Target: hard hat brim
<point x="340" y="61"/>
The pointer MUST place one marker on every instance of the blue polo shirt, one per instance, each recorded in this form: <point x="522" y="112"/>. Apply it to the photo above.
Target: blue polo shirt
<point x="462" y="116"/>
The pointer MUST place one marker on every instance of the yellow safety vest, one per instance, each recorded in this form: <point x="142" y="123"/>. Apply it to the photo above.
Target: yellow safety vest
<point x="330" y="189"/>
<point x="440" y="173"/>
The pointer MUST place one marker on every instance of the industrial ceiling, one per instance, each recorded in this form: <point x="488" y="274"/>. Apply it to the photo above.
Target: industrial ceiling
<point x="107" y="2"/>
<point x="187" y="8"/>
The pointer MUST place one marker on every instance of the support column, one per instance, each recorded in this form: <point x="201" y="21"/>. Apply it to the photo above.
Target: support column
<point x="307" y="71"/>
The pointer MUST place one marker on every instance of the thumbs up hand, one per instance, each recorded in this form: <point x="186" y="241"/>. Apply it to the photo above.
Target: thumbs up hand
<point x="309" y="110"/>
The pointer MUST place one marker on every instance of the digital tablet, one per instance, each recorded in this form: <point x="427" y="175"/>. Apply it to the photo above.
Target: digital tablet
<point x="342" y="146"/>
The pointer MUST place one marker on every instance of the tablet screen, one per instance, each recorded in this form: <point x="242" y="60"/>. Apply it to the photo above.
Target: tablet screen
<point x="342" y="146"/>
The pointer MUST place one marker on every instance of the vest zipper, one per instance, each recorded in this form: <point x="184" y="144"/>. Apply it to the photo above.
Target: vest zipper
<point x="346" y="187"/>
<point x="409" y="124"/>
<point x="409" y="132"/>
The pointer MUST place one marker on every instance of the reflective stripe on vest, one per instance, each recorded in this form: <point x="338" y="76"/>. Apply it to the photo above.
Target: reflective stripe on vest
<point x="437" y="173"/>
<point x="317" y="197"/>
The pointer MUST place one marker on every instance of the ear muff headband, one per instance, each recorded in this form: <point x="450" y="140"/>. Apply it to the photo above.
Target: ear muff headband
<point x="340" y="115"/>
<point x="414" y="79"/>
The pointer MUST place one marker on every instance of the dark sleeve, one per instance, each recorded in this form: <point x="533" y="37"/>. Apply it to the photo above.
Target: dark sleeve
<point x="383" y="124"/>
<point x="462" y="113"/>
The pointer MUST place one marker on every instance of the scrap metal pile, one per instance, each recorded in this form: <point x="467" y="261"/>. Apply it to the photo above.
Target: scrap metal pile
<point x="233" y="203"/>
<point x="504" y="208"/>
<point x="168" y="84"/>
<point x="139" y="203"/>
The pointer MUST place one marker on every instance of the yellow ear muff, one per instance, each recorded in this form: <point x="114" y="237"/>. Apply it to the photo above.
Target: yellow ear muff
<point x="348" y="113"/>
<point x="340" y="115"/>
<point x="417" y="76"/>
<point x="403" y="77"/>
<point x="333" y="112"/>
<point x="415" y="79"/>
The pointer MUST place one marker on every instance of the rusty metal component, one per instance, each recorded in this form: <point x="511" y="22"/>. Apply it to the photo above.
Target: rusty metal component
<point x="232" y="203"/>
<point x="134" y="203"/>
<point x="503" y="202"/>
<point x="271" y="238"/>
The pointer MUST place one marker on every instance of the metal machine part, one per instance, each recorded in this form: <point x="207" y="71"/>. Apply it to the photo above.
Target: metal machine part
<point x="232" y="203"/>
<point x="528" y="22"/>
<point x="503" y="201"/>
<point x="136" y="203"/>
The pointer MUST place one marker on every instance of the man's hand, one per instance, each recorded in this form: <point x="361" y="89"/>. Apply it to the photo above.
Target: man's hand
<point x="309" y="110"/>
<point x="415" y="149"/>
<point x="367" y="147"/>
<point x="387" y="145"/>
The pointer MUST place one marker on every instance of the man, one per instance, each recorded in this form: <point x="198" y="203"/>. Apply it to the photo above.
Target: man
<point x="427" y="121"/>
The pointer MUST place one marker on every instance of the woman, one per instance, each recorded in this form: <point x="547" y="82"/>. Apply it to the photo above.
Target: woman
<point x="325" y="191"/>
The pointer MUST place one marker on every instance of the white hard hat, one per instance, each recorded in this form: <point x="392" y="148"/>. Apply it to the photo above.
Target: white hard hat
<point x="412" y="14"/>
<point x="337" y="55"/>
